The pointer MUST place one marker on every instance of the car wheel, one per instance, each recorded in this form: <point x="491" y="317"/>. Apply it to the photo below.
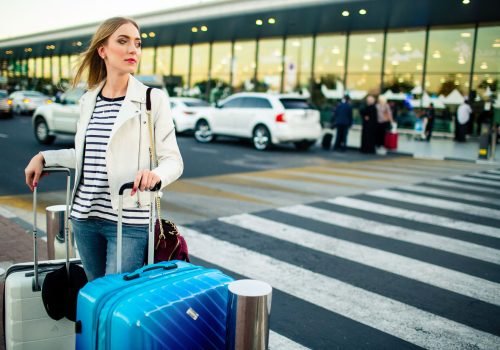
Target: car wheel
<point x="202" y="132"/>
<point x="261" y="138"/>
<point x="304" y="145"/>
<point x="42" y="132"/>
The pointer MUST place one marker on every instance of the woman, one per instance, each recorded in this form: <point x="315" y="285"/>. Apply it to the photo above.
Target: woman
<point x="369" y="131"/>
<point x="112" y="148"/>
<point x="384" y="119"/>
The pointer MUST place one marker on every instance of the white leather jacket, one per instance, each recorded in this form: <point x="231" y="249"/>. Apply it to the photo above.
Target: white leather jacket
<point x="128" y="146"/>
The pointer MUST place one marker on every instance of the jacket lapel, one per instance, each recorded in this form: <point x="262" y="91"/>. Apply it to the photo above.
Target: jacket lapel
<point x="131" y="105"/>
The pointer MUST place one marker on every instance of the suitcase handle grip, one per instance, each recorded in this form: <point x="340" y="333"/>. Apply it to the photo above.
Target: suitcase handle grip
<point x="129" y="185"/>
<point x="135" y="275"/>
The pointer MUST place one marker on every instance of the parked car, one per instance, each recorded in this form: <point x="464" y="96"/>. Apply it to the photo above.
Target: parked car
<point x="266" y="119"/>
<point x="57" y="118"/>
<point x="186" y="111"/>
<point x="5" y="104"/>
<point x="26" y="101"/>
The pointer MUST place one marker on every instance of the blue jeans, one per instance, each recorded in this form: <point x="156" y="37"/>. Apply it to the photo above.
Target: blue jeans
<point x="96" y="241"/>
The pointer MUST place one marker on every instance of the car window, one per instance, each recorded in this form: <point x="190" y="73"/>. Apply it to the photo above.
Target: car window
<point x="199" y="103"/>
<point x="234" y="103"/>
<point x="295" y="103"/>
<point x="3" y="95"/>
<point x="256" y="102"/>
<point x="73" y="96"/>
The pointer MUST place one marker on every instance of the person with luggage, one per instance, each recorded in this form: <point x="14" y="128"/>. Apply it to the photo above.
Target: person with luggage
<point x="369" y="130"/>
<point x="384" y="122"/>
<point x="112" y="148"/>
<point x="343" y="121"/>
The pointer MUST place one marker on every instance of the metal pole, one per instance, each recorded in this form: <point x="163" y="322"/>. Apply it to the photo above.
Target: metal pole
<point x="249" y="308"/>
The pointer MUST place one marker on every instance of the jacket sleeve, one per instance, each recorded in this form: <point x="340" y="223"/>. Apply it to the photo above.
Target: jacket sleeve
<point x="170" y="164"/>
<point x="63" y="157"/>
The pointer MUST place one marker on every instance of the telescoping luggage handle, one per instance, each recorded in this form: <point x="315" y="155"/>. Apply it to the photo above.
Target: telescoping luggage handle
<point x="128" y="186"/>
<point x="66" y="228"/>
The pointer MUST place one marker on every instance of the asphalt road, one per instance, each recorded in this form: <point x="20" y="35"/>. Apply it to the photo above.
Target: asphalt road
<point x="225" y="156"/>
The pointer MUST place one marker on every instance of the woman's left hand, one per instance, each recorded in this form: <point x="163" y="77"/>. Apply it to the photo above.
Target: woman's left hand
<point x="144" y="180"/>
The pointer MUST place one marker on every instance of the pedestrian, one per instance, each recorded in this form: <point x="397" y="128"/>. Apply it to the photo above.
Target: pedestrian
<point x="431" y="116"/>
<point x="343" y="121"/>
<point x="111" y="148"/>
<point x="369" y="127"/>
<point x="463" y="116"/>
<point x="384" y="121"/>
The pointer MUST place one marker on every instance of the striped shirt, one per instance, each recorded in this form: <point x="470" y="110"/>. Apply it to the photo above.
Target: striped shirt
<point x="93" y="199"/>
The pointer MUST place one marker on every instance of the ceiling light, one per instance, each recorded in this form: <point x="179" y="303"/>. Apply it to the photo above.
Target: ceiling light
<point x="484" y="65"/>
<point x="78" y="43"/>
<point x="9" y="52"/>
<point x="395" y="63"/>
<point x="296" y="43"/>
<point x="144" y="35"/>
<point x="367" y="57"/>
<point x="419" y="67"/>
<point x="371" y="39"/>
<point x="366" y="67"/>
<point x="496" y="45"/>
<point x="407" y="47"/>
<point x="461" y="60"/>
<point x="489" y="81"/>
<point x="340" y="63"/>
<point x="465" y="35"/>
<point x="345" y="13"/>
<point x="436" y="54"/>
<point x="204" y="28"/>
<point x="258" y="22"/>
<point x="152" y="34"/>
<point x="335" y="50"/>
<point x="362" y="12"/>
<point x="271" y="20"/>
<point x="194" y="29"/>
<point x="466" y="2"/>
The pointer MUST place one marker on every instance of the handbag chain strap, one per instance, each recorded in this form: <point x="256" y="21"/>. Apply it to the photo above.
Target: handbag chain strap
<point x="154" y="164"/>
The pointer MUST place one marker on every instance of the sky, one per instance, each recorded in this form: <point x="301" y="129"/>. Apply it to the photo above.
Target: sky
<point x="23" y="17"/>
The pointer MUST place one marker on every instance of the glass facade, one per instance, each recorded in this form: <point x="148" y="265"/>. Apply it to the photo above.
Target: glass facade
<point x="181" y="69"/>
<point x="147" y="61"/>
<point x="455" y="62"/>
<point x="199" y="69"/>
<point x="244" y="65"/>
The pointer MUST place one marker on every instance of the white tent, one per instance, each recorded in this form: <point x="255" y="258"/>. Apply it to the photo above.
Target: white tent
<point x="454" y="98"/>
<point x="427" y="100"/>
<point x="417" y="90"/>
<point x="389" y="95"/>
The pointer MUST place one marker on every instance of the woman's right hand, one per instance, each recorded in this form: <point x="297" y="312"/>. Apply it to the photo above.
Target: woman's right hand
<point x="33" y="171"/>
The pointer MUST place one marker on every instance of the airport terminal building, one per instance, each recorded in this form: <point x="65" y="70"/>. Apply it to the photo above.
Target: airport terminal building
<point x="432" y="50"/>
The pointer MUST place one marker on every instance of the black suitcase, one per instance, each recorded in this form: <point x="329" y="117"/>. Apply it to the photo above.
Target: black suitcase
<point x="326" y="142"/>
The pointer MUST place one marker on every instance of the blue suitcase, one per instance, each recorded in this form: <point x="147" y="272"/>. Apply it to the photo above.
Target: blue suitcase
<point x="168" y="305"/>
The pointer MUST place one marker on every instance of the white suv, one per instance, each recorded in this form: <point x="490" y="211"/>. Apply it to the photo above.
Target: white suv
<point x="57" y="118"/>
<point x="264" y="118"/>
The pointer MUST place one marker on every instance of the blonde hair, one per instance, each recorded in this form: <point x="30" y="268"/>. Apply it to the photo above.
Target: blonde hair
<point x="90" y="61"/>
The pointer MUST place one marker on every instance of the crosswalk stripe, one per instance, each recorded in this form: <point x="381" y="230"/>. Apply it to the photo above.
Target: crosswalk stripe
<point x="476" y="181"/>
<point x="417" y="216"/>
<point x="451" y="194"/>
<point x="438" y="203"/>
<point x="495" y="172"/>
<point x="487" y="176"/>
<point x="395" y="232"/>
<point x="398" y="319"/>
<point x="457" y="187"/>
<point x="454" y="281"/>
<point x="279" y="342"/>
